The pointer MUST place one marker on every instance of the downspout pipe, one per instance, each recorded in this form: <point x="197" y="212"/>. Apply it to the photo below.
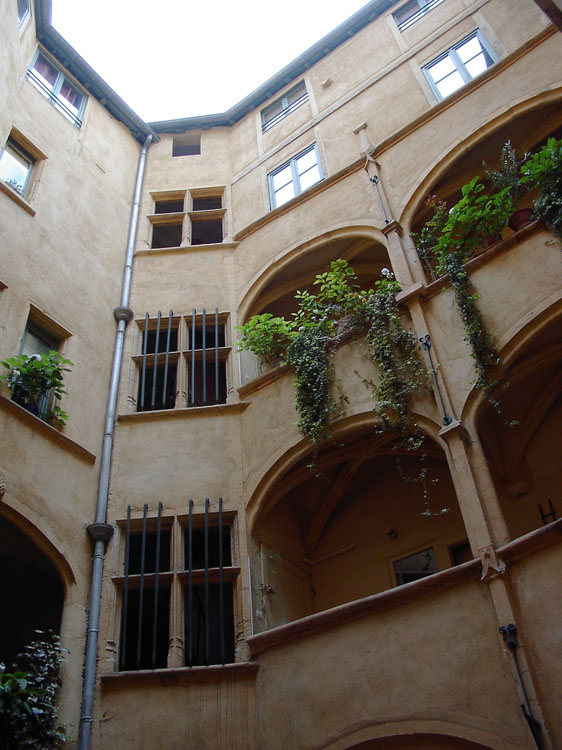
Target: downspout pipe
<point x="100" y="532"/>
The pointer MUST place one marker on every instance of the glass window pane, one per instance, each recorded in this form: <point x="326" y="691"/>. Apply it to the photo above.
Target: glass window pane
<point x="306" y="161"/>
<point x="272" y="112"/>
<point x="450" y="83"/>
<point x="14" y="168"/>
<point x="310" y="177"/>
<point x="477" y="65"/>
<point x="284" y="195"/>
<point x="415" y="567"/>
<point x="296" y="93"/>
<point x="282" y="178"/>
<point x="469" y="49"/>
<point x="45" y="71"/>
<point x="23" y="8"/>
<point x="441" y="69"/>
<point x="72" y="97"/>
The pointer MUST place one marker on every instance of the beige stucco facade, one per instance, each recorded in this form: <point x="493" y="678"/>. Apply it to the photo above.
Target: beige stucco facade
<point x="328" y="651"/>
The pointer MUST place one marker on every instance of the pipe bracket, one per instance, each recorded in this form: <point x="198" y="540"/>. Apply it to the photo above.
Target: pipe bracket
<point x="100" y="532"/>
<point x="122" y="313"/>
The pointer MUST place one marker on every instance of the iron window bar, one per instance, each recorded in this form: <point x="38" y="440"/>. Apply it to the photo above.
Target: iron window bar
<point x="54" y="98"/>
<point x="268" y="124"/>
<point x="150" y="360"/>
<point x="207" y="355"/>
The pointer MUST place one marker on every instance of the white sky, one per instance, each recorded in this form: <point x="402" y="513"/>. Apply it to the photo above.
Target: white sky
<point x="181" y="58"/>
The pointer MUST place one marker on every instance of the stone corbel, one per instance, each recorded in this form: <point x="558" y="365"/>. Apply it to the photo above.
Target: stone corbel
<point x="455" y="428"/>
<point x="492" y="565"/>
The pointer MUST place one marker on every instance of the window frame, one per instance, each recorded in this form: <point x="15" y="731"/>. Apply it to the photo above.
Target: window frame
<point x="286" y="107"/>
<point x="176" y="578"/>
<point x="185" y="363"/>
<point x="423" y="7"/>
<point x="25" y="14"/>
<point x="13" y="145"/>
<point x="53" y="94"/>
<point x="295" y="176"/>
<point x="460" y="66"/>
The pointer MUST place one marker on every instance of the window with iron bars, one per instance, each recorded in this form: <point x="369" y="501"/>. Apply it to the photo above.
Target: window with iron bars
<point x="177" y="588"/>
<point x="183" y="360"/>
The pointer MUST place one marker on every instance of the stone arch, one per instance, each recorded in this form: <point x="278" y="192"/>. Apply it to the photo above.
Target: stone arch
<point x="415" y="200"/>
<point x="286" y="458"/>
<point x="351" y="527"/>
<point x="34" y="582"/>
<point x="524" y="458"/>
<point x="426" y="735"/>
<point x="266" y="275"/>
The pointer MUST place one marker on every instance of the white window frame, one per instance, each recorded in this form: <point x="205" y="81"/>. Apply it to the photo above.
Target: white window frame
<point x="286" y="106"/>
<point x="23" y="11"/>
<point x="295" y="177"/>
<point x="460" y="67"/>
<point x="21" y="155"/>
<point x="53" y="94"/>
<point x="419" y="9"/>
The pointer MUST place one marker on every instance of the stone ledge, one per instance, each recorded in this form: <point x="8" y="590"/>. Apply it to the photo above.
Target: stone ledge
<point x="215" y="673"/>
<point x="46" y="430"/>
<point x="16" y="197"/>
<point x="188" y="248"/>
<point x="183" y="413"/>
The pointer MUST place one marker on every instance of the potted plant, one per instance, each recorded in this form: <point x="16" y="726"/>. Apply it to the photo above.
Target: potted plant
<point x="543" y="171"/>
<point x="36" y="378"/>
<point x="475" y="221"/>
<point x="268" y="337"/>
<point x="508" y="176"/>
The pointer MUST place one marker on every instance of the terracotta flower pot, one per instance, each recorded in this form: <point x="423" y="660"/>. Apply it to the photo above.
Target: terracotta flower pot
<point x="520" y="218"/>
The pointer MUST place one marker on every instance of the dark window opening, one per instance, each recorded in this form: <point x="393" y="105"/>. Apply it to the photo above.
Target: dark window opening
<point x="207" y="336"/>
<point x="143" y="620"/>
<point x="135" y="552"/>
<point x="206" y="232"/>
<point x="162" y="339"/>
<point x="168" y="207"/>
<point x="161" y="398"/>
<point x="416" y="566"/>
<point x="460" y="553"/>
<point x="203" y="390"/>
<point x="207" y="203"/>
<point x="198" y="548"/>
<point x="186" y="144"/>
<point x="166" y="235"/>
<point x="210" y="624"/>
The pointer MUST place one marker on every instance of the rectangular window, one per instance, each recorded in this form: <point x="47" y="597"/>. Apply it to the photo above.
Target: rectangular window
<point x="414" y="567"/>
<point x="206" y="217"/>
<point x="294" y="177"/>
<point x="16" y="166"/>
<point x="183" y="361"/>
<point x="283" y="106"/>
<point x="36" y="341"/>
<point x="186" y="144"/>
<point x="199" y="575"/>
<point x="413" y="11"/>
<point x="50" y="80"/>
<point x="459" y="65"/>
<point x="23" y="10"/>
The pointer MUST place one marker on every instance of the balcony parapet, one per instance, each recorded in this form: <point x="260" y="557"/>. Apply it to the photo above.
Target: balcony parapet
<point x="385" y="600"/>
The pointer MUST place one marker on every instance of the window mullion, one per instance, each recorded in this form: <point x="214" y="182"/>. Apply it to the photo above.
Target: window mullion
<point x="176" y="643"/>
<point x="459" y="65"/>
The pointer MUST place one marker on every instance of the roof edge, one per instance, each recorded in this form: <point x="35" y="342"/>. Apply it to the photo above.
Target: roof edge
<point x="286" y="75"/>
<point x="94" y="84"/>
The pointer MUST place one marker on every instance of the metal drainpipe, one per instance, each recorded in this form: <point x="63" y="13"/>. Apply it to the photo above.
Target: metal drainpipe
<point x="101" y="532"/>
